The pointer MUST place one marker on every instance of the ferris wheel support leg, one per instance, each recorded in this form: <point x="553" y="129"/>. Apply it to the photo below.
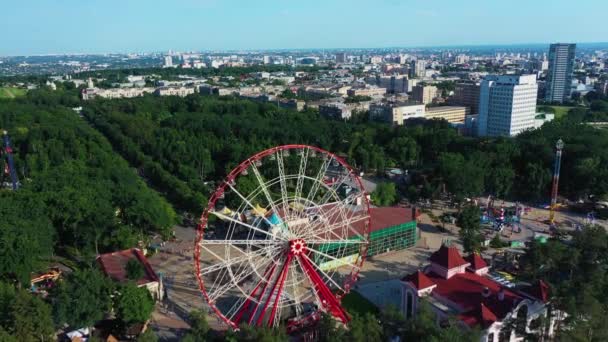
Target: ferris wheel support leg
<point x="282" y="281"/>
<point x="257" y="304"/>
<point x="269" y="298"/>
<point x="242" y="311"/>
<point x="328" y="299"/>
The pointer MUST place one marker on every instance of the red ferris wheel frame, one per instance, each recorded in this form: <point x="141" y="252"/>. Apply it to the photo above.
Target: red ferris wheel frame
<point x="330" y="300"/>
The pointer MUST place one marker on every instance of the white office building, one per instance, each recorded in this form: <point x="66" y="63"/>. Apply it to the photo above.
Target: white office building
<point x="507" y="105"/>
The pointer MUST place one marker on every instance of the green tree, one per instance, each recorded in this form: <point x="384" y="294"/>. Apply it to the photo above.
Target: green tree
<point x="26" y="235"/>
<point x="134" y="269"/>
<point x="470" y="229"/>
<point x="147" y="336"/>
<point x="82" y="298"/>
<point x="330" y="330"/>
<point x="385" y="194"/>
<point x="364" y="328"/>
<point x="199" y="328"/>
<point x="133" y="304"/>
<point x="23" y="316"/>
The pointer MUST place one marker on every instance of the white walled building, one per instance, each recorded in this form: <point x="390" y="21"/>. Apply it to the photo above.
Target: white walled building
<point x="395" y="113"/>
<point x="507" y="105"/>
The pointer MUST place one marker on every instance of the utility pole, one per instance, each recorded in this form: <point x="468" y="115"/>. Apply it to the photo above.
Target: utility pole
<point x="558" y="160"/>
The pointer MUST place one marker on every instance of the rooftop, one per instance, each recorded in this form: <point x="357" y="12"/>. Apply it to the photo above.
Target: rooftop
<point x="476" y="261"/>
<point x="448" y="257"/>
<point x="419" y="280"/>
<point x="113" y="265"/>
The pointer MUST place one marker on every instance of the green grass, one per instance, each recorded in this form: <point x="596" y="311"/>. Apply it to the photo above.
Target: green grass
<point x="11" y="93"/>
<point x="355" y="303"/>
<point x="560" y="111"/>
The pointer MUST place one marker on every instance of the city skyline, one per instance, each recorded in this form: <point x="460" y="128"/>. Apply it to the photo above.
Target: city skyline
<point x="118" y="27"/>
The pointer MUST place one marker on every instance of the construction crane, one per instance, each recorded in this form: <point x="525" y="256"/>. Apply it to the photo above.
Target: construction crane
<point x="10" y="164"/>
<point x="559" y="146"/>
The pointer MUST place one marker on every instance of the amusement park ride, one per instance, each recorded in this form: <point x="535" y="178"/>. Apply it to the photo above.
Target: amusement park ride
<point x="290" y="246"/>
<point x="9" y="166"/>
<point x="559" y="146"/>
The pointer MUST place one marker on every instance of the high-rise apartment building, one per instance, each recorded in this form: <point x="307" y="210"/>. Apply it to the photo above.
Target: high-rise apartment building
<point x="424" y="94"/>
<point x="417" y="68"/>
<point x="168" y="62"/>
<point x="507" y="105"/>
<point x="559" y="78"/>
<point x="340" y="57"/>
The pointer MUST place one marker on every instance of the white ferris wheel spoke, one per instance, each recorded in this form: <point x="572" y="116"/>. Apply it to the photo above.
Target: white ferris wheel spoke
<point x="248" y="203"/>
<point x="252" y="242"/>
<point x="342" y="262"/>
<point x="318" y="179"/>
<point x="225" y="217"/>
<point x="322" y="272"/>
<point x="225" y="263"/>
<point x="282" y="182"/>
<point x="301" y="173"/>
<point x="334" y="242"/>
<point x="257" y="174"/>
<point x="320" y="229"/>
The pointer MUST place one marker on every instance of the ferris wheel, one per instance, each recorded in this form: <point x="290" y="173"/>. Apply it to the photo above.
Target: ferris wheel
<point x="283" y="238"/>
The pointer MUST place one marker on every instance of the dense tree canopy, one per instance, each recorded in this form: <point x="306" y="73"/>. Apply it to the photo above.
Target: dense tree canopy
<point x="82" y="298"/>
<point x="24" y="317"/>
<point x="133" y="304"/>
<point x="76" y="192"/>
<point x="470" y="229"/>
<point x="180" y="143"/>
<point x="577" y="274"/>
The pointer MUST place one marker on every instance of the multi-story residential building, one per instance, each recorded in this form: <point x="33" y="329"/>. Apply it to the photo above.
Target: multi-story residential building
<point x="340" y="57"/>
<point x="424" y="93"/>
<point x="507" y="105"/>
<point x="452" y="114"/>
<point x="174" y="91"/>
<point x="395" y="84"/>
<point x="461" y="59"/>
<point x="466" y="94"/>
<point x="395" y="113"/>
<point x="335" y="110"/>
<point x="114" y="93"/>
<point x="559" y="77"/>
<point x="375" y="59"/>
<point x="372" y="91"/>
<point x="418" y="68"/>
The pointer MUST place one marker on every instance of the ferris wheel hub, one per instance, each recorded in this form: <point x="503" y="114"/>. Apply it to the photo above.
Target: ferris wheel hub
<point x="297" y="246"/>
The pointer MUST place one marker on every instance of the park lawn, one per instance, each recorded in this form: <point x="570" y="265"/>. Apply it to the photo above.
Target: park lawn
<point x="355" y="303"/>
<point x="560" y="111"/>
<point x="11" y="92"/>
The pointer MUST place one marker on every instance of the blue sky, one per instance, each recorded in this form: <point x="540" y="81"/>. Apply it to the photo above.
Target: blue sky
<point x="93" y="26"/>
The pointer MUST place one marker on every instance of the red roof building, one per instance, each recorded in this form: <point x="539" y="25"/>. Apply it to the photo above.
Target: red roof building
<point x="114" y="266"/>
<point x="478" y="265"/>
<point x="457" y="286"/>
<point x="419" y="281"/>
